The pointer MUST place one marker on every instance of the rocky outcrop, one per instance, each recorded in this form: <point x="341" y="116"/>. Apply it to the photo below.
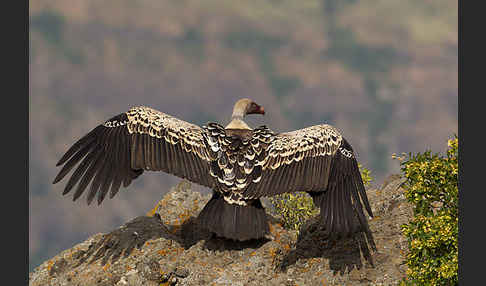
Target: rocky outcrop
<point x="167" y="247"/>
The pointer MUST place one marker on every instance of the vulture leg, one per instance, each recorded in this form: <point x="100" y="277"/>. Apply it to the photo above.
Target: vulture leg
<point x="234" y="221"/>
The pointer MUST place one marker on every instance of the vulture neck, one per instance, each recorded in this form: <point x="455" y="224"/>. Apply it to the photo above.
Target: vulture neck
<point x="237" y="123"/>
<point x="239" y="111"/>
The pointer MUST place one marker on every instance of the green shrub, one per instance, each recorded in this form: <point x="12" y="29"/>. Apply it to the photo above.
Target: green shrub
<point x="365" y="175"/>
<point x="431" y="187"/>
<point x="296" y="208"/>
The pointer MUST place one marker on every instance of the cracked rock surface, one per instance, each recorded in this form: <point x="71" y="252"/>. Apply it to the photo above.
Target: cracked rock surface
<point x="167" y="247"/>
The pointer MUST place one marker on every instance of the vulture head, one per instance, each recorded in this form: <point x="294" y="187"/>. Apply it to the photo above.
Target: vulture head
<point x="246" y="106"/>
<point x="242" y="108"/>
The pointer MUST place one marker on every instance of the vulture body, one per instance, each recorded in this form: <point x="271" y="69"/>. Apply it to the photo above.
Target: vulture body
<point x="238" y="163"/>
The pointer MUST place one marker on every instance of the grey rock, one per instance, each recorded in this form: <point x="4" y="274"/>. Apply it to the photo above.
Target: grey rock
<point x="181" y="272"/>
<point x="173" y="250"/>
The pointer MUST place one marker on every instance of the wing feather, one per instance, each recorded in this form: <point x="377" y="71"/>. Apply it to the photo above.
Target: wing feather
<point x="119" y="150"/>
<point x="77" y="173"/>
<point x="72" y="162"/>
<point x="88" y="138"/>
<point x="98" y="179"/>
<point x="88" y="176"/>
<point x="111" y="168"/>
<point x="285" y="176"/>
<point x="124" y="163"/>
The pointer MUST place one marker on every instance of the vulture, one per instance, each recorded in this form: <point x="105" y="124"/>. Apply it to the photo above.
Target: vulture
<point x="240" y="165"/>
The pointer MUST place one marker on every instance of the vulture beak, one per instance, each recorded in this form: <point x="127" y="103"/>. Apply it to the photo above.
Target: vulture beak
<point x="256" y="109"/>
<point x="261" y="110"/>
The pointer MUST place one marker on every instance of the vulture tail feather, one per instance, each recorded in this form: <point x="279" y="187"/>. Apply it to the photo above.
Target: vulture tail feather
<point x="233" y="220"/>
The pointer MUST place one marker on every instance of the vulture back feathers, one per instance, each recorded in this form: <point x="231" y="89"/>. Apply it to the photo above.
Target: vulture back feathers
<point x="238" y="163"/>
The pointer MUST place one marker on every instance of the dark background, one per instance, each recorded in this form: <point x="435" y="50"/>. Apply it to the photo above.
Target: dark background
<point x="385" y="73"/>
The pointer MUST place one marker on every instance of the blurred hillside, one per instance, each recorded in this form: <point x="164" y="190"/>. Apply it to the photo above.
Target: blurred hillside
<point x="382" y="72"/>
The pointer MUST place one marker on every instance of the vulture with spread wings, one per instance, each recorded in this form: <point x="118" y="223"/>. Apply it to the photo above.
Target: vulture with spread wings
<point x="238" y="163"/>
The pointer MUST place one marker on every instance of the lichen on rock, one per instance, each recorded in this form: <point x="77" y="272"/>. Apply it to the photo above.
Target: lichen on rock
<point x="167" y="247"/>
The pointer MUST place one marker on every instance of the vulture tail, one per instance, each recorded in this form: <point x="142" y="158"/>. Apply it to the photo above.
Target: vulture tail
<point x="341" y="208"/>
<point x="234" y="221"/>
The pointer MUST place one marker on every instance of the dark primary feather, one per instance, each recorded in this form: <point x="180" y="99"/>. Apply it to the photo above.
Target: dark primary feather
<point x="110" y="155"/>
<point x="341" y="208"/>
<point x="88" y="138"/>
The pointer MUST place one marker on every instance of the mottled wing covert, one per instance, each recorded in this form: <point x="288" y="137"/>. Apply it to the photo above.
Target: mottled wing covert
<point x="297" y="161"/>
<point x="317" y="160"/>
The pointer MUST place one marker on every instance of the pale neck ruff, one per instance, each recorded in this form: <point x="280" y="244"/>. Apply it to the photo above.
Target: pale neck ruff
<point x="237" y="123"/>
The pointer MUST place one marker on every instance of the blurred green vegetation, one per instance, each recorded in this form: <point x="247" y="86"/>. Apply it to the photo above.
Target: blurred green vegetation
<point x="51" y="26"/>
<point x="357" y="56"/>
<point x="191" y="43"/>
<point x="264" y="46"/>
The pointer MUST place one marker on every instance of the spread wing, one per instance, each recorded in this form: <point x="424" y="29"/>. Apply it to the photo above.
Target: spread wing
<point x="119" y="150"/>
<point x="297" y="161"/>
<point x="317" y="160"/>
